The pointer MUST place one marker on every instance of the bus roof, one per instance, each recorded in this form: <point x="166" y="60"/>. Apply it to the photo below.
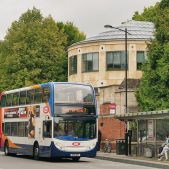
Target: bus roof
<point x="40" y="85"/>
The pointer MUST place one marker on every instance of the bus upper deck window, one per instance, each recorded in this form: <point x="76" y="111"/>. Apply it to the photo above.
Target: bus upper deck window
<point x="9" y="100"/>
<point x="38" y="95"/>
<point x="22" y="99"/>
<point x="3" y="101"/>
<point x="46" y="94"/>
<point x="30" y="96"/>
<point x="15" y="100"/>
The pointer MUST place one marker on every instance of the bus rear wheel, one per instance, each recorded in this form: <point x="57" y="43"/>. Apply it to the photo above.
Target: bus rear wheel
<point x="76" y="159"/>
<point x="6" y="148"/>
<point x="36" y="152"/>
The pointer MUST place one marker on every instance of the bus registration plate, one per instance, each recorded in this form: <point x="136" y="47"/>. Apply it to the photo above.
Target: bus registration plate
<point x="75" y="155"/>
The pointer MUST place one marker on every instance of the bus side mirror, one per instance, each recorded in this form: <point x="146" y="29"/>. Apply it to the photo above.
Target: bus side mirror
<point x="57" y="119"/>
<point x="46" y="118"/>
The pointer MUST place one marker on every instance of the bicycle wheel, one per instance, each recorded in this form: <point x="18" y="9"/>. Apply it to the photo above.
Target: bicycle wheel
<point x="105" y="149"/>
<point x="109" y="149"/>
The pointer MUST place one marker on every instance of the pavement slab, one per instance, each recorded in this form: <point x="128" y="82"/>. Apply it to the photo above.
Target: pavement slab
<point x="143" y="161"/>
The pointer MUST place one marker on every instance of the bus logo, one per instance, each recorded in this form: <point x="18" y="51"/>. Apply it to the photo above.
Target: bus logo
<point x="76" y="144"/>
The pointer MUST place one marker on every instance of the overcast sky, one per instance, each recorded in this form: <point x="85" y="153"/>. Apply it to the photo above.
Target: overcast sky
<point x="89" y="16"/>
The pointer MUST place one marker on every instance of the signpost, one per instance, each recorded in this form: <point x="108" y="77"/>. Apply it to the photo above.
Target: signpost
<point x="112" y="108"/>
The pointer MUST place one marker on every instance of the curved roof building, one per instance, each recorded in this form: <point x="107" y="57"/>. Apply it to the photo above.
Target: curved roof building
<point x="100" y="60"/>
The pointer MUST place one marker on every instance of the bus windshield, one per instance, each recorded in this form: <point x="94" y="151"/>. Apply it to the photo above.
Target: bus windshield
<point x="73" y="93"/>
<point x="75" y="129"/>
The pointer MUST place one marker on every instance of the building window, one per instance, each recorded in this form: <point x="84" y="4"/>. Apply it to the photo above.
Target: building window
<point x="72" y="65"/>
<point x="115" y="60"/>
<point x="140" y="59"/>
<point x="90" y="62"/>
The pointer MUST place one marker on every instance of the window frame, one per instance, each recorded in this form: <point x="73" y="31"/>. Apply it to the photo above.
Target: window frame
<point x="30" y="96"/>
<point x="44" y="94"/>
<point x="13" y="129"/>
<point x="73" y="62"/>
<point x="21" y="129"/>
<point x="85" y="66"/>
<point x="3" y="100"/>
<point x="45" y="125"/>
<point x="139" y="67"/>
<point x="17" y="101"/>
<point x="114" y="55"/>
<point x="17" y="134"/>
<point x="11" y="95"/>
<point x="38" y="92"/>
<point x="23" y="103"/>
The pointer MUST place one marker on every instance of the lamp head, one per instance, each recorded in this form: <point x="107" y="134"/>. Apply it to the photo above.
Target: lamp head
<point x="107" y="26"/>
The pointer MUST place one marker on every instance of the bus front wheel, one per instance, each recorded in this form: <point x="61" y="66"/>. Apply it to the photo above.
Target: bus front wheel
<point x="36" y="152"/>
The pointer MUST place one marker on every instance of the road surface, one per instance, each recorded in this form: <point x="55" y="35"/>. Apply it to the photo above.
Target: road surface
<point x="26" y="162"/>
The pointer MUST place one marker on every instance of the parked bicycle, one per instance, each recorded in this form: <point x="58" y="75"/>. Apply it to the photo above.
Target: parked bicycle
<point x="107" y="146"/>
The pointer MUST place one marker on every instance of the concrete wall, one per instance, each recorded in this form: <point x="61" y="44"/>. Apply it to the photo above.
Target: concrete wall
<point x="107" y="77"/>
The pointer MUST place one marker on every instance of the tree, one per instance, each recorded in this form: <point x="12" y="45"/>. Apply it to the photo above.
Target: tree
<point x="149" y="14"/>
<point x="73" y="35"/>
<point x="33" y="51"/>
<point x="72" y="32"/>
<point x="153" y="91"/>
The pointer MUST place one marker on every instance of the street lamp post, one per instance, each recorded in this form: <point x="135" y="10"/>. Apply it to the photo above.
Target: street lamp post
<point x="126" y="59"/>
<point x="126" y="67"/>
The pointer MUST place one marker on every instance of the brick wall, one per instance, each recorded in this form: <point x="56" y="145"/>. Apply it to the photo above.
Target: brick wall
<point x="110" y="127"/>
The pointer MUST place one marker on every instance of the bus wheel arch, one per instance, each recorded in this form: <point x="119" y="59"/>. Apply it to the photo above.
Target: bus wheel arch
<point x="36" y="150"/>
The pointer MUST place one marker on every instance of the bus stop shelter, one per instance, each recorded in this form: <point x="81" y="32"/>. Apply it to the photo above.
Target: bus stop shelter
<point x="149" y="130"/>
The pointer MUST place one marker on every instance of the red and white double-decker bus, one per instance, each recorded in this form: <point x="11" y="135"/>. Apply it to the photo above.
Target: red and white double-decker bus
<point x="49" y="120"/>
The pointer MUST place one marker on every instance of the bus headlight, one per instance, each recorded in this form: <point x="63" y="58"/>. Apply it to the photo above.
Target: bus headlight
<point x="58" y="145"/>
<point x="92" y="146"/>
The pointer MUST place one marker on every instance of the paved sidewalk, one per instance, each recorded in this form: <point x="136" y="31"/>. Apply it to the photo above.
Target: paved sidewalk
<point x="150" y="162"/>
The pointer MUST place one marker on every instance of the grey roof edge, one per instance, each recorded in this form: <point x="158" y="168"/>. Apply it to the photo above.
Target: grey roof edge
<point x="108" y="40"/>
<point x="141" y="31"/>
